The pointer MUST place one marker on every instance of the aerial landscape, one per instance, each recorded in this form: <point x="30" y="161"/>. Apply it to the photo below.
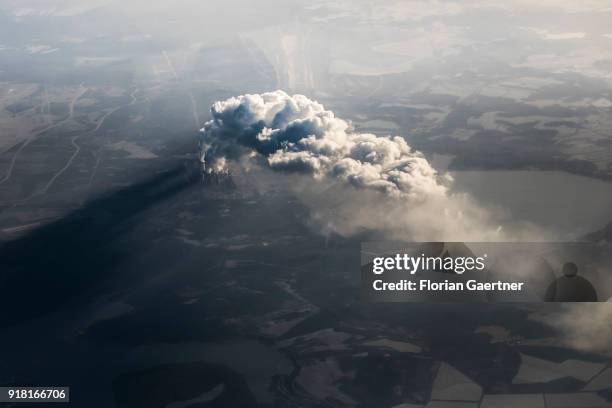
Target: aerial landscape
<point x="185" y="189"/>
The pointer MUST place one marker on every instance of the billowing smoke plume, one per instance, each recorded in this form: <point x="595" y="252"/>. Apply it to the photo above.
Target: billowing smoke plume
<point x="296" y="134"/>
<point x="371" y="182"/>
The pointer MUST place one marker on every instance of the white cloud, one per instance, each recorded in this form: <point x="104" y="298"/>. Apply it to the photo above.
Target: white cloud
<point x="362" y="181"/>
<point x="296" y="134"/>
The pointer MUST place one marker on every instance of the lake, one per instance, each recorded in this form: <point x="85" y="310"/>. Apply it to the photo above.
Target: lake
<point x="565" y="203"/>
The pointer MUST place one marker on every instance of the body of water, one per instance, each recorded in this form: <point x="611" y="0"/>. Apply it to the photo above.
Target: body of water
<point x="567" y="204"/>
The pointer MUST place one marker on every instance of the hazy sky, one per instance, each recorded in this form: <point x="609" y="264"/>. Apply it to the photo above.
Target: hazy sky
<point x="361" y="37"/>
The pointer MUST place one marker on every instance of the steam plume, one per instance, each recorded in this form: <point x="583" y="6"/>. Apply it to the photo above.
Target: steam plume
<point x="377" y="182"/>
